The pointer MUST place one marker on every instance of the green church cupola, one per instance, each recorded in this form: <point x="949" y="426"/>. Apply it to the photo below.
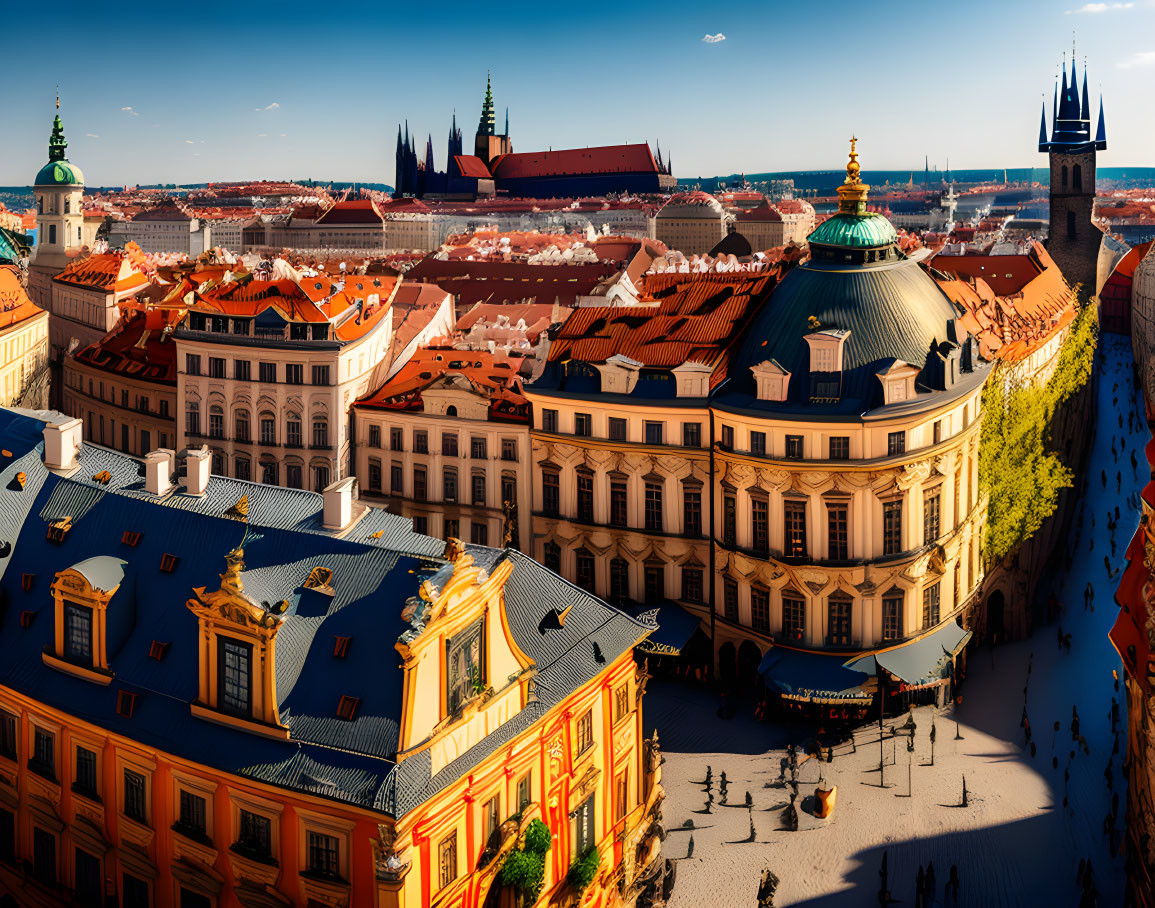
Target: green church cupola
<point x="853" y="234"/>
<point x="488" y="123"/>
<point x="58" y="171"/>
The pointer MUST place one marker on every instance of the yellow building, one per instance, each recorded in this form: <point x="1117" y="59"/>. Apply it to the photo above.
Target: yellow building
<point x="23" y="346"/>
<point x="198" y="705"/>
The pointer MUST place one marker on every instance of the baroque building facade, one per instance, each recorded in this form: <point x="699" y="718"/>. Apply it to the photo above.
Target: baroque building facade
<point x="196" y="711"/>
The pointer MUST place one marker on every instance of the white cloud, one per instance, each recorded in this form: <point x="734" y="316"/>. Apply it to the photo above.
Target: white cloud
<point x="1143" y="58"/>
<point x="261" y="135"/>
<point x="272" y="106"/>
<point x="284" y="135"/>
<point x="92" y="135"/>
<point x="1098" y="8"/>
<point x="714" y="39"/>
<point x="189" y="142"/>
<point x="131" y="111"/>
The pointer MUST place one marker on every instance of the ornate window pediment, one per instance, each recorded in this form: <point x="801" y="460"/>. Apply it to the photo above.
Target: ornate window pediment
<point x="81" y="597"/>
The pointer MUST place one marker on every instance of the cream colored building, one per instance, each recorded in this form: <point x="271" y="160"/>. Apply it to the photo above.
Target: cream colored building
<point x="446" y="442"/>
<point x="691" y="222"/>
<point x="268" y="370"/>
<point x="85" y="298"/>
<point x="768" y="226"/>
<point x="59" y="191"/>
<point x="818" y="508"/>
<point x="23" y="346"/>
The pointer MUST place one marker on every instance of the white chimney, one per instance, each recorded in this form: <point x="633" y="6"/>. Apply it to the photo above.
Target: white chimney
<point x="62" y="441"/>
<point x="338" y="510"/>
<point x="158" y="469"/>
<point x="197" y="464"/>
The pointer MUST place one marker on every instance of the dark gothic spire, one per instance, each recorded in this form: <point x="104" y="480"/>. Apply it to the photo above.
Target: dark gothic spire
<point x="1086" y="111"/>
<point x="487" y="124"/>
<point x="506" y="122"/>
<point x="1043" y="128"/>
<point x="1101" y="132"/>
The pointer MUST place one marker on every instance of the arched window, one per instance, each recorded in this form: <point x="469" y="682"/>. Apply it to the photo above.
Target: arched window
<point x="1077" y="177"/>
<point x="67" y="205"/>
<point x="244" y="468"/>
<point x="1072" y="233"/>
<point x="1064" y="176"/>
<point x="219" y="463"/>
<point x="320" y="477"/>
<point x="293" y="430"/>
<point x="193" y="418"/>
<point x="552" y="557"/>
<point x="320" y="434"/>
<point x="242" y="425"/>
<point x="216" y="422"/>
<point x="451" y="410"/>
<point x="268" y="429"/>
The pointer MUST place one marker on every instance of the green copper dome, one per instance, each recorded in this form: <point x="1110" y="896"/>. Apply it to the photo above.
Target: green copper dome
<point x="59" y="173"/>
<point x="854" y="230"/>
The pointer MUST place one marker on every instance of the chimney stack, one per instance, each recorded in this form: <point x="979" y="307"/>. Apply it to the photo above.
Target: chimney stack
<point x="338" y="509"/>
<point x="158" y="470"/>
<point x="62" y="441"/>
<point x="197" y="464"/>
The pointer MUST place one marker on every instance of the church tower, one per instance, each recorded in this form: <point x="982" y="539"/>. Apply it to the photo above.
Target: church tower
<point x="489" y="144"/>
<point x="1073" y="240"/>
<point x="59" y="191"/>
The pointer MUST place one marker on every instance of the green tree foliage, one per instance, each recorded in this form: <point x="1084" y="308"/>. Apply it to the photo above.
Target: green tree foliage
<point x="1019" y="472"/>
<point x="524" y="868"/>
<point x="583" y="872"/>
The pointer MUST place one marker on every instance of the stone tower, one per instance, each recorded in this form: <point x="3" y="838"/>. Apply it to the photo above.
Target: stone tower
<point x="1073" y="240"/>
<point x="489" y="144"/>
<point x="59" y="191"/>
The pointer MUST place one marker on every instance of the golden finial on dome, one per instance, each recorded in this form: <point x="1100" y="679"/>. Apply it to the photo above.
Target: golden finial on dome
<point x="852" y="193"/>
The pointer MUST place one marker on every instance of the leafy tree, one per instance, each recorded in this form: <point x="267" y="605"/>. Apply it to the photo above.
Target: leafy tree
<point x="583" y="872"/>
<point x="523" y="870"/>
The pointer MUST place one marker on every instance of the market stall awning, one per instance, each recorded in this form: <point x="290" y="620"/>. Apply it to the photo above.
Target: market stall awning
<point x="675" y="628"/>
<point x="920" y="661"/>
<point x="799" y="675"/>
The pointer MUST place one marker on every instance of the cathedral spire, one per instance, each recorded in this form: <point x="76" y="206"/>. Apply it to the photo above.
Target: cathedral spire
<point x="487" y="125"/>
<point x="1086" y="110"/>
<point x="1043" y="128"/>
<point x="1101" y="132"/>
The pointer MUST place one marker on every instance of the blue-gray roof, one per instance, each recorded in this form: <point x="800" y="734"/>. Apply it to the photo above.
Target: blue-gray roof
<point x="376" y="567"/>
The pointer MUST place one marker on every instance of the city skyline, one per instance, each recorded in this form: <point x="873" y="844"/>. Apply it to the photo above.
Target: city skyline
<point x="247" y="112"/>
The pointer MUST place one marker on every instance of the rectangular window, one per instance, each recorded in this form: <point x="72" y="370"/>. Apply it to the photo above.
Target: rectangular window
<point x="619" y="579"/>
<point x="491" y="821"/>
<point x="85" y="783"/>
<point x="374" y="436"/>
<point x="449" y="485"/>
<point x="192" y="813"/>
<point x="478" y="449"/>
<point x="465" y="671"/>
<point x="549" y="420"/>
<point x="447" y="860"/>
<point x="550" y="493"/>
<point x="582" y="829"/>
<point x="585" y="732"/>
<point x="293" y="476"/>
<point x="43" y="761"/>
<point x="793" y="617"/>
<point x="937" y="431"/>
<point x="324" y="855"/>
<point x="840" y="447"/>
<point x="525" y="791"/>
<point x="479" y="533"/>
<point x="838" y="621"/>
<point x="396" y="439"/>
<point x="241" y="370"/>
<point x="509" y="449"/>
<point x="192" y="364"/>
<point x="621" y="795"/>
<point x="730" y="599"/>
<point x="617" y="429"/>
<point x="655" y="583"/>
<point x="294" y="374"/>
<point x="396" y="479"/>
<point x="758" y="443"/>
<point x="692" y="510"/>
<point x="585" y="497"/>
<point x="43" y="855"/>
<point x="692" y="584"/>
<point x="892" y="528"/>
<point x="421" y="525"/>
<point x="192" y="419"/>
<point x="267" y="372"/>
<point x="618" y="504"/>
<point x="692" y="434"/>
<point x="654" y="432"/>
<point x="320" y="433"/>
<point x="255" y="836"/>
<point x="134" y="803"/>
<point x="478" y="490"/>
<point x="930" y="606"/>
<point x="892" y="615"/>
<point x="621" y="701"/>
<point x="420" y="442"/>
<point x="760" y="525"/>
<point x="760" y="610"/>
<point x="216" y="424"/>
<point x="582" y="424"/>
<point x="795" y="529"/>
<point x="836" y="530"/>
<point x="216" y="367"/>
<point x="134" y="892"/>
<point x="794" y="447"/>
<point x="449" y="444"/>
<point x="728" y="437"/>
<point x="930" y="517"/>
<point x="895" y="443"/>
<point x="420" y="490"/>
<point x="374" y="475"/>
<point x="653" y="506"/>
<point x="584" y="573"/>
<point x="234" y="682"/>
<point x="8" y="725"/>
<point x="320" y="375"/>
<point x="77" y="633"/>
<point x="729" y="520"/>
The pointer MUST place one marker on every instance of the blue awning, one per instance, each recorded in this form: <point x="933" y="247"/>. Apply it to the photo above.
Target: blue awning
<point x="921" y="661"/>
<point x="817" y="677"/>
<point x="675" y="628"/>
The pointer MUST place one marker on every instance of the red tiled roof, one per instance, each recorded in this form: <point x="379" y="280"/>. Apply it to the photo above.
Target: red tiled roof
<point x="355" y="212"/>
<point x="15" y="306"/>
<point x="764" y="212"/>
<point x="697" y="318"/>
<point x="575" y="161"/>
<point x="472" y="166"/>
<point x="139" y="346"/>
<point x="112" y="272"/>
<point x="474" y="282"/>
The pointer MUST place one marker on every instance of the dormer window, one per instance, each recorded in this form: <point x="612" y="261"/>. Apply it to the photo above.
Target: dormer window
<point x="235" y="687"/>
<point x="77" y="633"/>
<point x="81" y="597"/>
<point x="897" y="382"/>
<point x="465" y="667"/>
<point x="772" y="381"/>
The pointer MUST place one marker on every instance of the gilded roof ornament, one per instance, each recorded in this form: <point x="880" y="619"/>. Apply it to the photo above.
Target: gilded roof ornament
<point x="852" y="193"/>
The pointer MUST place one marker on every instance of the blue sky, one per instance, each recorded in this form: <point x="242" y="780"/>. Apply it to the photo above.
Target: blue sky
<point x="223" y="91"/>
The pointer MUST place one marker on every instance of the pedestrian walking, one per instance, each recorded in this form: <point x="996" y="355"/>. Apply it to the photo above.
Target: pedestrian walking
<point x="919" y="883"/>
<point x="952" y="884"/>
